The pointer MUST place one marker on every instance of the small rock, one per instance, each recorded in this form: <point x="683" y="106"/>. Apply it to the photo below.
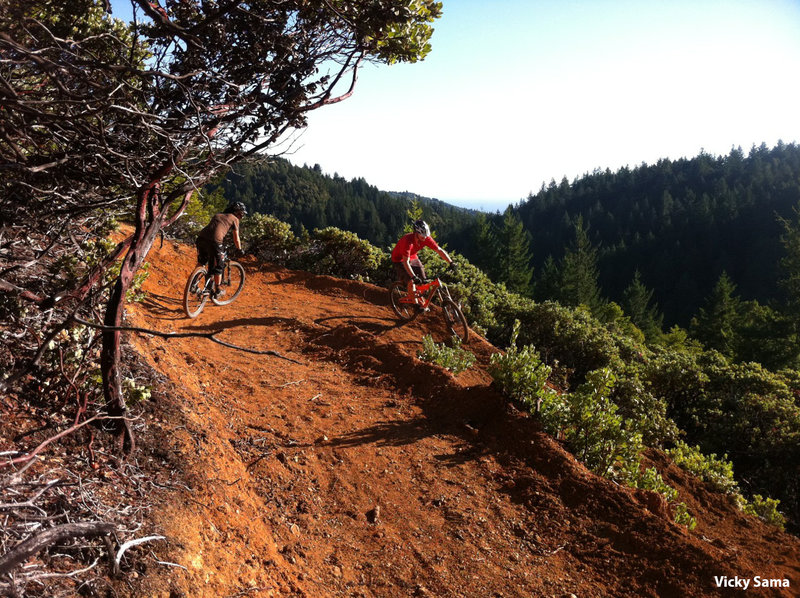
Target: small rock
<point x="337" y="572"/>
<point x="295" y="529"/>
<point x="373" y="515"/>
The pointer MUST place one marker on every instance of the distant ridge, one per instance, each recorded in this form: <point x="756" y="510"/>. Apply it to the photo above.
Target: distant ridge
<point x="307" y="198"/>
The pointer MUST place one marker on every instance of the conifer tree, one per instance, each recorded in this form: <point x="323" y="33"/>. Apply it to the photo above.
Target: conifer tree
<point x="487" y="246"/>
<point x="637" y="304"/>
<point x="716" y="324"/>
<point x="514" y="259"/>
<point x="414" y="213"/>
<point x="790" y="266"/>
<point x="579" y="273"/>
<point x="548" y="284"/>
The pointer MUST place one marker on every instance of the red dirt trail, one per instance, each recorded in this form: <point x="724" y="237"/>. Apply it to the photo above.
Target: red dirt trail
<point x="363" y="471"/>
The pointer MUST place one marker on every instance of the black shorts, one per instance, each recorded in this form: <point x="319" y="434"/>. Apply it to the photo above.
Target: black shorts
<point x="210" y="254"/>
<point x="402" y="275"/>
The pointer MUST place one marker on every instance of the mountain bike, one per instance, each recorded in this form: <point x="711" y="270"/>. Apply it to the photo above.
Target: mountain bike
<point x="200" y="287"/>
<point x="408" y="309"/>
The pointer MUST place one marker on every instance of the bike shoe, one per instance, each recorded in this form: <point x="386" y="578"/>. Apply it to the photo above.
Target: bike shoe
<point x="219" y="293"/>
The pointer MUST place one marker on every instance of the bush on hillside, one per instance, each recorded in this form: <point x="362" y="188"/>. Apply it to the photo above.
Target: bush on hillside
<point x="341" y="253"/>
<point x="453" y="358"/>
<point x="765" y="509"/>
<point x="718" y="473"/>
<point x="598" y="435"/>
<point x="521" y="375"/>
<point x="268" y="238"/>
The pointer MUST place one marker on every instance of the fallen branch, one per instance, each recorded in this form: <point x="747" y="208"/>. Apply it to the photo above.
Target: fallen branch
<point x="41" y="447"/>
<point x="29" y="504"/>
<point x="207" y="335"/>
<point x="24" y="550"/>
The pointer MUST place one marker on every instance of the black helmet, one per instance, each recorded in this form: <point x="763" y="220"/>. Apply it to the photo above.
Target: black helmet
<point x="236" y="208"/>
<point x="421" y="228"/>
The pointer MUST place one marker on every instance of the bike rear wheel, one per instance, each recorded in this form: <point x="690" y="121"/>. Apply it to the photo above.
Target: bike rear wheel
<point x="232" y="282"/>
<point x="404" y="311"/>
<point x="195" y="294"/>
<point x="455" y="321"/>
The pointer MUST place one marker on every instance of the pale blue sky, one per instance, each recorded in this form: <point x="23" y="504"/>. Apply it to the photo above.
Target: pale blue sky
<point x="518" y="92"/>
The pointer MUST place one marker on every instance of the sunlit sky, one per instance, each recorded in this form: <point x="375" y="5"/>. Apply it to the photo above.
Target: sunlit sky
<point x="516" y="93"/>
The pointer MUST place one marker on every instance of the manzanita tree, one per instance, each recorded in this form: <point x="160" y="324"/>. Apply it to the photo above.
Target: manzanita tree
<point x="101" y="118"/>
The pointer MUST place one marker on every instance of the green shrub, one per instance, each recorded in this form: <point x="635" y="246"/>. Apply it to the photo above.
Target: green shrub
<point x="650" y="479"/>
<point x="454" y="359"/>
<point x="136" y="392"/>
<point x="268" y="238"/>
<point x="520" y="374"/>
<point x="601" y="438"/>
<point x="709" y="468"/>
<point x="683" y="517"/>
<point x="765" y="509"/>
<point x="341" y="253"/>
<point x="646" y="412"/>
<point x="586" y="419"/>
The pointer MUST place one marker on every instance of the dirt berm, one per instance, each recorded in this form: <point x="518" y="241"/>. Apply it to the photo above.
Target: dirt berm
<point x="354" y="469"/>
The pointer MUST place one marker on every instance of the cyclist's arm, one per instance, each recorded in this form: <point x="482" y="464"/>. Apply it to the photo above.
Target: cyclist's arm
<point x="409" y="269"/>
<point x="236" y="241"/>
<point x="444" y="255"/>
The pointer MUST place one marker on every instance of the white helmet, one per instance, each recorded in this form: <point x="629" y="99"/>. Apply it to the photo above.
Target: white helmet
<point x="421" y="228"/>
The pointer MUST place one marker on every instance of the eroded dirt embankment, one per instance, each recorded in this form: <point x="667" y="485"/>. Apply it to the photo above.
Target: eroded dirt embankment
<point x="353" y="469"/>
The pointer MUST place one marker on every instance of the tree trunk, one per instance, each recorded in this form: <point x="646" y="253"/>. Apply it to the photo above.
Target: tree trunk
<point x="148" y="225"/>
<point x="150" y="216"/>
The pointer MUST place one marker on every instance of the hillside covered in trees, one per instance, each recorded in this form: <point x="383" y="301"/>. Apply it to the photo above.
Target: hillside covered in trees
<point x="306" y="198"/>
<point x="681" y="224"/>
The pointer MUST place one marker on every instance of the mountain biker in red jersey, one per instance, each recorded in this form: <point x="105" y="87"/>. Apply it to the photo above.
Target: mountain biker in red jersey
<point x="209" y="241"/>
<point x="405" y="260"/>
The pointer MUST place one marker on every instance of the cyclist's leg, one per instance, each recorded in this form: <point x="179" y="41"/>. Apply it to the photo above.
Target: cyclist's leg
<point x="401" y="275"/>
<point x="202" y="254"/>
<point x="419" y="270"/>
<point x="205" y="254"/>
<point x="218" y="267"/>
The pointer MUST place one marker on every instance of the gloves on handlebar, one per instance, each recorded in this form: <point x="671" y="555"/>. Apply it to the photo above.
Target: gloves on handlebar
<point x="417" y="279"/>
<point x="238" y="252"/>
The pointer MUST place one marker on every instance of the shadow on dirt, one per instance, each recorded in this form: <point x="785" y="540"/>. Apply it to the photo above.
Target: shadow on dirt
<point x="164" y="307"/>
<point x="241" y="322"/>
<point x="371" y="324"/>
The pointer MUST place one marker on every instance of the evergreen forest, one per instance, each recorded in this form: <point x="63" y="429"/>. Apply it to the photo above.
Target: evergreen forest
<point x="680" y="224"/>
<point x="307" y="199"/>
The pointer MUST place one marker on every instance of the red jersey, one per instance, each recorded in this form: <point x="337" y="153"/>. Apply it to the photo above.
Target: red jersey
<point x="407" y="247"/>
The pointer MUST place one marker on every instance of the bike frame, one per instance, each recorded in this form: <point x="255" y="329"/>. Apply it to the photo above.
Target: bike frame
<point x="430" y="287"/>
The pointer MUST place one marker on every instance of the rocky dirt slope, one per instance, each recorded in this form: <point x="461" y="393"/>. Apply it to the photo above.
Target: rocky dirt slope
<point x="354" y="469"/>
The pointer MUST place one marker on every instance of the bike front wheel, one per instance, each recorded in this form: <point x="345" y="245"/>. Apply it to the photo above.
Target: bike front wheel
<point x="404" y="311"/>
<point x="195" y="294"/>
<point x="454" y="320"/>
<point x="232" y="283"/>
